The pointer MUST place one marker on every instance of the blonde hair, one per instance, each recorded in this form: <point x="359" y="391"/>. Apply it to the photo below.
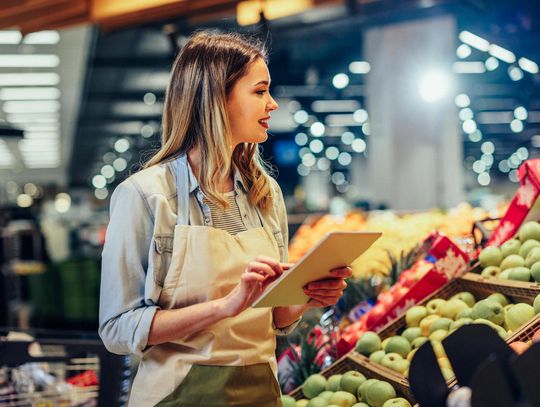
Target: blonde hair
<point x="195" y="115"/>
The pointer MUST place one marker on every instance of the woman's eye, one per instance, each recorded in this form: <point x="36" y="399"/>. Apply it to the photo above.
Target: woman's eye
<point x="261" y="92"/>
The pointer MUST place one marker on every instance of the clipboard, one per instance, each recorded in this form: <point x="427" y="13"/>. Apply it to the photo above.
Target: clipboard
<point x="335" y="249"/>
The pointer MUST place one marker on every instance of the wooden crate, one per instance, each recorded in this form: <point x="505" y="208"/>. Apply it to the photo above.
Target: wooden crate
<point x="370" y="370"/>
<point x="476" y="268"/>
<point x="480" y="287"/>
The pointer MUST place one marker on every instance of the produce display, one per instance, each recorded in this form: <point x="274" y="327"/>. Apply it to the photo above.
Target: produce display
<point x="400" y="233"/>
<point x="516" y="259"/>
<point x="350" y="389"/>
<point x="437" y="319"/>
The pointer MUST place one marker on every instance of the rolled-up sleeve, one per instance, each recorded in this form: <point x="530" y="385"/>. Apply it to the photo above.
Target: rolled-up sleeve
<point x="125" y="315"/>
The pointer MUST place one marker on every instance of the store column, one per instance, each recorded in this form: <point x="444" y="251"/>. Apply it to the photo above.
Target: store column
<point x="415" y="147"/>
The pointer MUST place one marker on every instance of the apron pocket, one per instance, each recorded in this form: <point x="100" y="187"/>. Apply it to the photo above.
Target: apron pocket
<point x="222" y="386"/>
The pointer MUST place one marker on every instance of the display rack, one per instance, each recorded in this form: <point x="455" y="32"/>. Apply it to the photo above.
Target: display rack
<point x="51" y="371"/>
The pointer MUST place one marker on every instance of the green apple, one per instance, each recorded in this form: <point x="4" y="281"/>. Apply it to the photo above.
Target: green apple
<point x="288" y="401"/>
<point x="398" y="344"/>
<point x="351" y="380"/>
<point x="518" y="315"/>
<point x="514" y="260"/>
<point x="302" y="403"/>
<point x="314" y="385"/>
<point x="491" y="271"/>
<point x="401" y="366"/>
<point x="378" y="393"/>
<point x="414" y="315"/>
<point x="532" y="257"/>
<point x="342" y="399"/>
<point x="390" y="358"/>
<point x="361" y="393"/>
<point x="412" y="333"/>
<point x="397" y="402"/>
<point x="466" y="297"/>
<point x="500" y="298"/>
<point x="368" y="343"/>
<point x="441" y="323"/>
<point x="490" y="256"/>
<point x="527" y="247"/>
<point x="326" y="394"/>
<point x="317" y="402"/>
<point x="383" y="343"/>
<point x="359" y="405"/>
<point x="434" y="307"/>
<point x="425" y="324"/>
<point x="519" y="274"/>
<point x="535" y="272"/>
<point x="458" y="323"/>
<point x="503" y="275"/>
<point x="466" y="313"/>
<point x="452" y="307"/>
<point x="509" y="247"/>
<point x="334" y="383"/>
<point x="419" y="342"/>
<point x="529" y="230"/>
<point x="438" y="335"/>
<point x="377" y="356"/>
<point x="536" y="304"/>
<point x="490" y="310"/>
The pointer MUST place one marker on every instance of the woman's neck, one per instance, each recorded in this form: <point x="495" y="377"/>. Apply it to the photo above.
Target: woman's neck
<point x="194" y="158"/>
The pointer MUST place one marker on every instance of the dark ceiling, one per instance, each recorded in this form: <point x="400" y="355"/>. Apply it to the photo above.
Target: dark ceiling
<point x="124" y="66"/>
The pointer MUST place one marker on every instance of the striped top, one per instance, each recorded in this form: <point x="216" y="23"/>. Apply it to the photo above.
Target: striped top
<point x="228" y="219"/>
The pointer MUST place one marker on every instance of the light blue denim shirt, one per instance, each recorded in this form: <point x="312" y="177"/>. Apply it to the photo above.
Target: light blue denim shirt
<point x="138" y="248"/>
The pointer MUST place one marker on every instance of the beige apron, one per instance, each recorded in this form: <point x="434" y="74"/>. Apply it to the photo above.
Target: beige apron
<point x="232" y="362"/>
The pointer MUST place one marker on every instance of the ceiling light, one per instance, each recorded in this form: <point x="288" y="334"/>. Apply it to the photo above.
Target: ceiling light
<point x="301" y="139"/>
<point x="474" y="40"/>
<point x="121" y="145"/>
<point x="475" y="136"/>
<point x="29" y="79"/>
<point x="515" y="73"/>
<point x="434" y="85"/>
<point x="301" y="117"/>
<point x="344" y="158"/>
<point x="469" y="126"/>
<point x="120" y="164"/>
<point x="323" y="164"/>
<point x="30" y="106"/>
<point x="309" y="159"/>
<point x="468" y="67"/>
<point x="323" y="106"/>
<point x="317" y="129"/>
<point x="462" y="100"/>
<point x="99" y="181"/>
<point x="528" y="65"/>
<point x="29" y="93"/>
<point x="479" y="166"/>
<point x="10" y="37"/>
<point x="302" y="170"/>
<point x="24" y="201"/>
<point x="491" y="63"/>
<point x="520" y="113"/>
<point x="332" y="153"/>
<point x="347" y="138"/>
<point x="107" y="171"/>
<point x="149" y="98"/>
<point x="466" y="114"/>
<point x="487" y="147"/>
<point x="359" y="67"/>
<point x="513" y="176"/>
<point x="29" y="61"/>
<point x="316" y="146"/>
<point x="358" y="145"/>
<point x="101" y="193"/>
<point x="516" y="126"/>
<point x="62" y="202"/>
<point x="33" y="118"/>
<point x="522" y="153"/>
<point x="42" y="37"/>
<point x="340" y="81"/>
<point x="360" y="115"/>
<point x="502" y="53"/>
<point x="484" y="179"/>
<point x="503" y="166"/>
<point x="463" y="51"/>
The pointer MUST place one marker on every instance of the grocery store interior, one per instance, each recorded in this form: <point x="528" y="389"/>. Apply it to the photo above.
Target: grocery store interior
<point x="419" y="119"/>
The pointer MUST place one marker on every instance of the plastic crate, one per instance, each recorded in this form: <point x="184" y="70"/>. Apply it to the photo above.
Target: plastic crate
<point x="526" y="332"/>
<point x="477" y="269"/>
<point x="371" y="371"/>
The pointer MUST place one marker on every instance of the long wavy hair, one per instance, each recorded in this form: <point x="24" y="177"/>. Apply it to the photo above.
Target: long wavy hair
<point x="195" y="114"/>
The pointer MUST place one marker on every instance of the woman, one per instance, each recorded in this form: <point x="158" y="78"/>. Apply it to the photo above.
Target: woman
<point x="196" y="236"/>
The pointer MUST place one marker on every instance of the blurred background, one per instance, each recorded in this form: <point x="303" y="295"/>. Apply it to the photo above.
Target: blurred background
<point x="400" y="116"/>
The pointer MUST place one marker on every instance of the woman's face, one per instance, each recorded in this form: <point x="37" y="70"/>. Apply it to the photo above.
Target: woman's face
<point x="249" y="105"/>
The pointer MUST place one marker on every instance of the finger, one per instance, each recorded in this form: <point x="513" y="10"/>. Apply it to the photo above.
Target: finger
<point x="342" y="272"/>
<point x="286" y="266"/>
<point x="275" y="264"/>
<point x="261" y="268"/>
<point x="251" y="278"/>
<point x="328" y="284"/>
<point x="323" y="293"/>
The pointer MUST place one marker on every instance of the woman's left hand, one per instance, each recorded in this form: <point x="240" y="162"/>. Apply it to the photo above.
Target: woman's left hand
<point x="324" y="293"/>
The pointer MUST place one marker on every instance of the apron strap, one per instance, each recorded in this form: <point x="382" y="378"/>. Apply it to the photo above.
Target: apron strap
<point x="181" y="174"/>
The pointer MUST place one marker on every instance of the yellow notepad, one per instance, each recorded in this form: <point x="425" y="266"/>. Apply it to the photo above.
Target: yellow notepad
<point x="334" y="250"/>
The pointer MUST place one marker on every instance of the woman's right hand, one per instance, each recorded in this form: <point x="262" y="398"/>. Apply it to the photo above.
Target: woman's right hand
<point x="258" y="275"/>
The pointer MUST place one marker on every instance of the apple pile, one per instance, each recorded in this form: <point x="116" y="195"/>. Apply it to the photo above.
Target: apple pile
<point x="437" y="319"/>
<point x="351" y="389"/>
<point x="516" y="259"/>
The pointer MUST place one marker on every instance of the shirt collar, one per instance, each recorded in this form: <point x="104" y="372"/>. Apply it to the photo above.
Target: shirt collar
<point x="194" y="184"/>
